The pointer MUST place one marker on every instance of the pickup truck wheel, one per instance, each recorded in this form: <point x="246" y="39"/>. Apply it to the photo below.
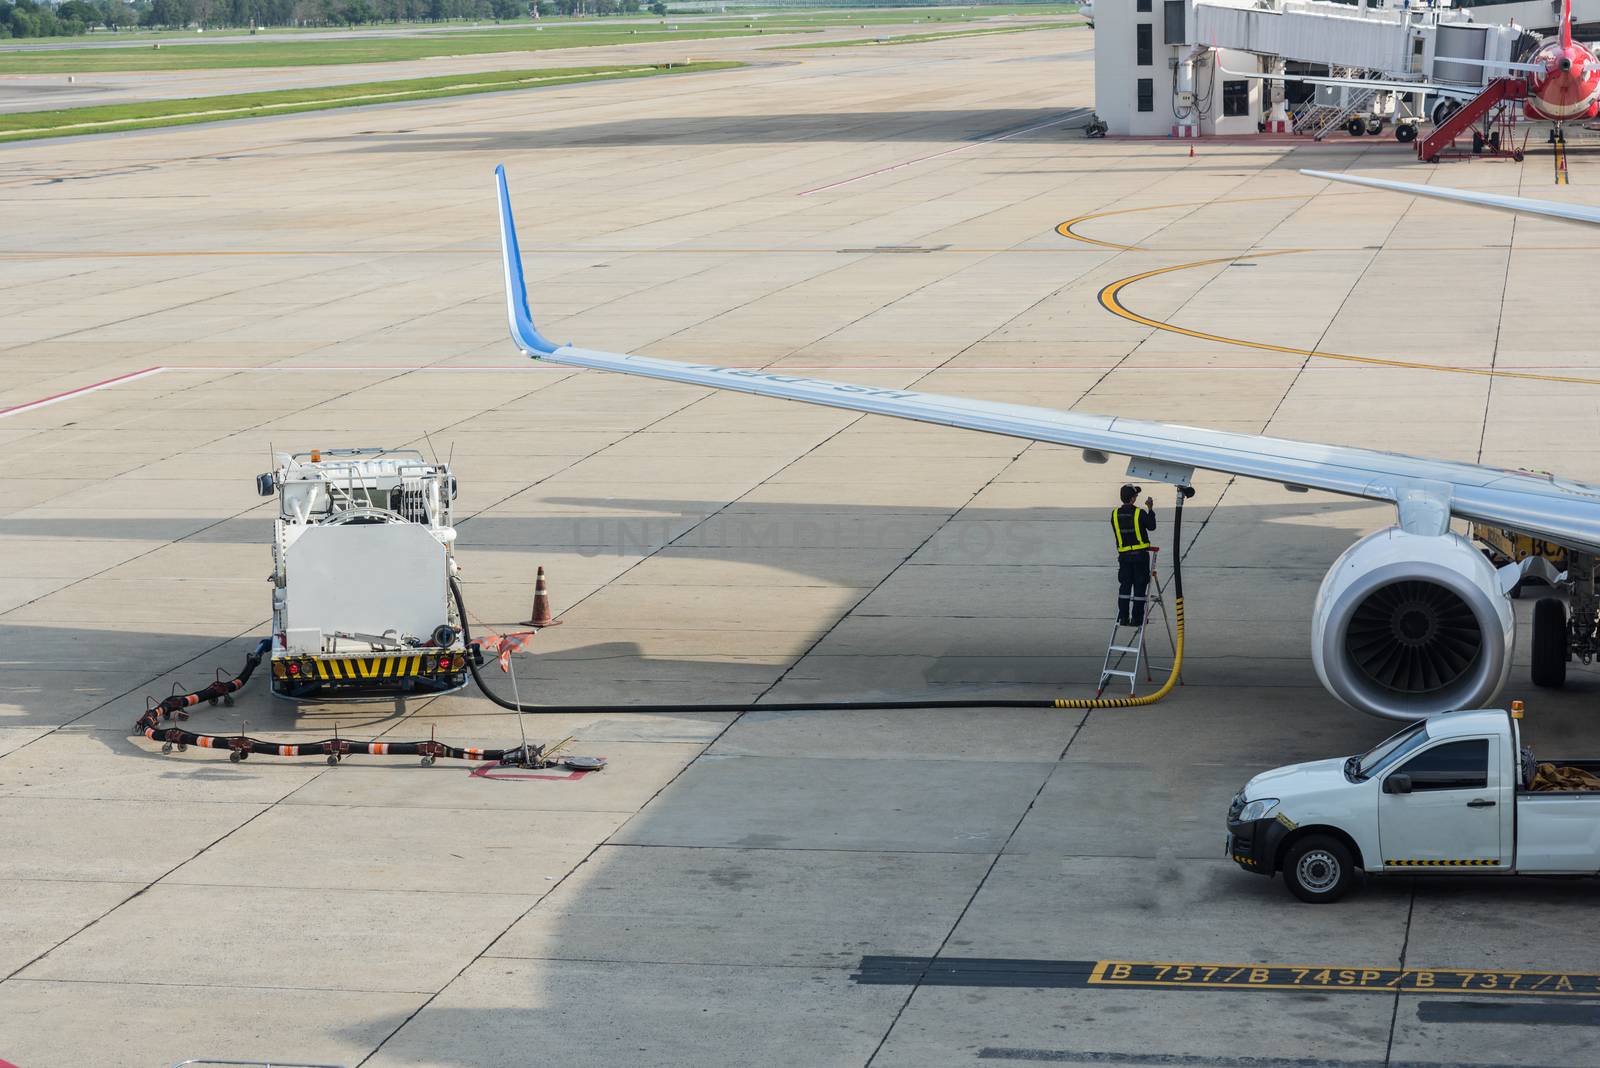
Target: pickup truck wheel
<point x="1549" y="643"/>
<point x="1318" y="869"/>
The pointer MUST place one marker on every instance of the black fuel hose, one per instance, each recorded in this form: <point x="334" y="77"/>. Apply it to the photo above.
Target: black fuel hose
<point x="1184" y="492"/>
<point x="242" y="746"/>
<point x="213" y="693"/>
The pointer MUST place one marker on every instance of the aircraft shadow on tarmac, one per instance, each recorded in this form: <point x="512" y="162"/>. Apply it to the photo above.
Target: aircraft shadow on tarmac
<point x="61" y="673"/>
<point x="931" y="127"/>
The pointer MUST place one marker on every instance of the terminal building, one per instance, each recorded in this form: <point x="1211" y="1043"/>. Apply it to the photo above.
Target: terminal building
<point x="1195" y="68"/>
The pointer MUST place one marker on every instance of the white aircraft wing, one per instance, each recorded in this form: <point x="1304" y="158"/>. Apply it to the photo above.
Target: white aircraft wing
<point x="1551" y="209"/>
<point x="1457" y="92"/>
<point x="1426" y="491"/>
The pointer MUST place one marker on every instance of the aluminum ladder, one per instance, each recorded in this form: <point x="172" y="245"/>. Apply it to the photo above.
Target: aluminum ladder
<point x="1118" y="650"/>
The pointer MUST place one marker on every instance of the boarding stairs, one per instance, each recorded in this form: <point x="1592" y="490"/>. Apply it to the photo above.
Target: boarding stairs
<point x="1496" y="105"/>
<point x="1128" y="641"/>
<point x="1318" y="119"/>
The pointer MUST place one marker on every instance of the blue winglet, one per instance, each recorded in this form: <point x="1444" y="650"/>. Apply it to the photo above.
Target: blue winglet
<point x="523" y="332"/>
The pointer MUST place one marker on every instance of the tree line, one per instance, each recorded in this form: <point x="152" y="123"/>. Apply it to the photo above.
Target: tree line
<point x="30" y="18"/>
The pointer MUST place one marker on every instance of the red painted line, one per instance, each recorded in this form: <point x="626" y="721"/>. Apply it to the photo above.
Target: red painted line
<point x="57" y="398"/>
<point x="488" y="771"/>
<point x="937" y="155"/>
<point x="370" y="367"/>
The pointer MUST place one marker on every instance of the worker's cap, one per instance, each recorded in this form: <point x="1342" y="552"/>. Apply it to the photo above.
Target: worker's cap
<point x="1129" y="492"/>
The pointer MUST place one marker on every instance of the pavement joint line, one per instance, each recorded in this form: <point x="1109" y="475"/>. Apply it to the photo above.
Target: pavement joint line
<point x="1499" y="329"/>
<point x="140" y="892"/>
<point x="1405" y="945"/>
<point x="1075" y="113"/>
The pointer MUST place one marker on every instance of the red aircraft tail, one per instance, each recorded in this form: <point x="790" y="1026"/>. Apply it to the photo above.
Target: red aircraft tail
<point x="1566" y="23"/>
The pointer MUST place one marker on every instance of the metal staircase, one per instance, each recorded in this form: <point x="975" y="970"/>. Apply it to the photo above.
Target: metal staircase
<point x="1496" y="105"/>
<point x="1318" y="119"/>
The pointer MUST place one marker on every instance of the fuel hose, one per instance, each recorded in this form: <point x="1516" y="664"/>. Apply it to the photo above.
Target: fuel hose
<point x="240" y="747"/>
<point x="1184" y="492"/>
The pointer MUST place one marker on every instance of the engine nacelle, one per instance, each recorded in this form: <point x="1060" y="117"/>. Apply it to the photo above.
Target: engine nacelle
<point x="1411" y="625"/>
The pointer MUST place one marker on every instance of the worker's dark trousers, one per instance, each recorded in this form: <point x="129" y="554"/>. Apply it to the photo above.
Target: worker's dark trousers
<point x="1133" y="578"/>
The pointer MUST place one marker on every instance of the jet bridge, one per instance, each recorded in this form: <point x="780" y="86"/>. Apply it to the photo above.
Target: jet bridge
<point x="1195" y="61"/>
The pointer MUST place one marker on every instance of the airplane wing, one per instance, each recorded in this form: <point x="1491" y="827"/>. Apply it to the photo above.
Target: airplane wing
<point x="1551" y="209"/>
<point x="1427" y="492"/>
<point x="1458" y="92"/>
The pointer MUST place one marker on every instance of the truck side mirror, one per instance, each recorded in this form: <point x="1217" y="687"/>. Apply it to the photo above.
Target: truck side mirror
<point x="264" y="485"/>
<point x="1397" y="784"/>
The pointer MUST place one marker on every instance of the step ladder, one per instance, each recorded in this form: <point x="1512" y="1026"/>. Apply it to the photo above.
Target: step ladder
<point x="1119" y="648"/>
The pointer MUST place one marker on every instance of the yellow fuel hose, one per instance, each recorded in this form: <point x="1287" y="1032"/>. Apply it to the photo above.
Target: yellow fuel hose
<point x="1149" y="698"/>
<point x="1184" y="493"/>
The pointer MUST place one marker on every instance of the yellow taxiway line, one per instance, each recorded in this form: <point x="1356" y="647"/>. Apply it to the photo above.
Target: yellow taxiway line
<point x="1110" y="298"/>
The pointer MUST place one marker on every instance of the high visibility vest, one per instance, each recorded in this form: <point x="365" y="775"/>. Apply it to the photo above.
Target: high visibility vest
<point x="1129" y="529"/>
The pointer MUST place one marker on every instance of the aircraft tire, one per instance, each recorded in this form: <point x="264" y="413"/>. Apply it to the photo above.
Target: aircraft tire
<point x="1549" y="652"/>
<point x="1357" y="126"/>
<point x="1405" y="133"/>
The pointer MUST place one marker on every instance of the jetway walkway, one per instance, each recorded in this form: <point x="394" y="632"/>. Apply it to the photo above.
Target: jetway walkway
<point x="1396" y="42"/>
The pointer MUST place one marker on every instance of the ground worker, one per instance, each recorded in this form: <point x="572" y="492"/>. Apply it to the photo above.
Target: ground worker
<point x="1132" y="526"/>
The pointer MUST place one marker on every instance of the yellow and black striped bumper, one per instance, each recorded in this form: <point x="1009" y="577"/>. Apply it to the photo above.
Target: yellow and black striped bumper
<point x="1440" y="863"/>
<point x="367" y="669"/>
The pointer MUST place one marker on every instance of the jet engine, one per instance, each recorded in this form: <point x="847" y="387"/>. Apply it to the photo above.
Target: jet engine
<point x="1411" y="625"/>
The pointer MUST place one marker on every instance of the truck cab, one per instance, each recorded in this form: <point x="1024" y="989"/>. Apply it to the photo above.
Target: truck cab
<point x="1455" y="794"/>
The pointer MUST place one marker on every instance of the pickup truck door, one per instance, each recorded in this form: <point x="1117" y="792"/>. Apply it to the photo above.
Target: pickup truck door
<point x="1452" y="816"/>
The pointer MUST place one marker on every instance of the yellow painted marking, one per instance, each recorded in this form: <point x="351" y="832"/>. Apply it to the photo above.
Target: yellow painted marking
<point x="1069" y="228"/>
<point x="1561" y="163"/>
<point x="368" y="667"/>
<point x="388" y="666"/>
<point x="1216" y="976"/>
<point x="322" y="669"/>
<point x="1110" y="299"/>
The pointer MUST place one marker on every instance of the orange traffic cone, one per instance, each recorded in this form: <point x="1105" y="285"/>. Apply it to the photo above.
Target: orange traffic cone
<point x="1191" y="152"/>
<point x="541" y="616"/>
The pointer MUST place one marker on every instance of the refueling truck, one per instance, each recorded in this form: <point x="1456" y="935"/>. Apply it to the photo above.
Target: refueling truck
<point x="363" y="555"/>
<point x="1456" y="794"/>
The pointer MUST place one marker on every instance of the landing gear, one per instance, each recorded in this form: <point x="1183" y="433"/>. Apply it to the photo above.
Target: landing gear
<point x="1549" y="643"/>
<point x="1374" y="126"/>
<point x="1405" y="133"/>
<point x="1356" y="126"/>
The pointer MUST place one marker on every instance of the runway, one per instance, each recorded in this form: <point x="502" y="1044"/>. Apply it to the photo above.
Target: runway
<point x="772" y="888"/>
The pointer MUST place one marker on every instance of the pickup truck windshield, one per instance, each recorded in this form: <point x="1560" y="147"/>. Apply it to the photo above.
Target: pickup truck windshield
<point x="1389" y="750"/>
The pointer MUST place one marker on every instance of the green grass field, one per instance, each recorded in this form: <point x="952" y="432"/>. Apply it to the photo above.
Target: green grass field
<point x="114" y="118"/>
<point x="917" y="38"/>
<point x="508" y="37"/>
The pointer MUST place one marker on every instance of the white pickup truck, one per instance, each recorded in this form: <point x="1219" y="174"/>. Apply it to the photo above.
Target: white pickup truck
<point x="1452" y="795"/>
